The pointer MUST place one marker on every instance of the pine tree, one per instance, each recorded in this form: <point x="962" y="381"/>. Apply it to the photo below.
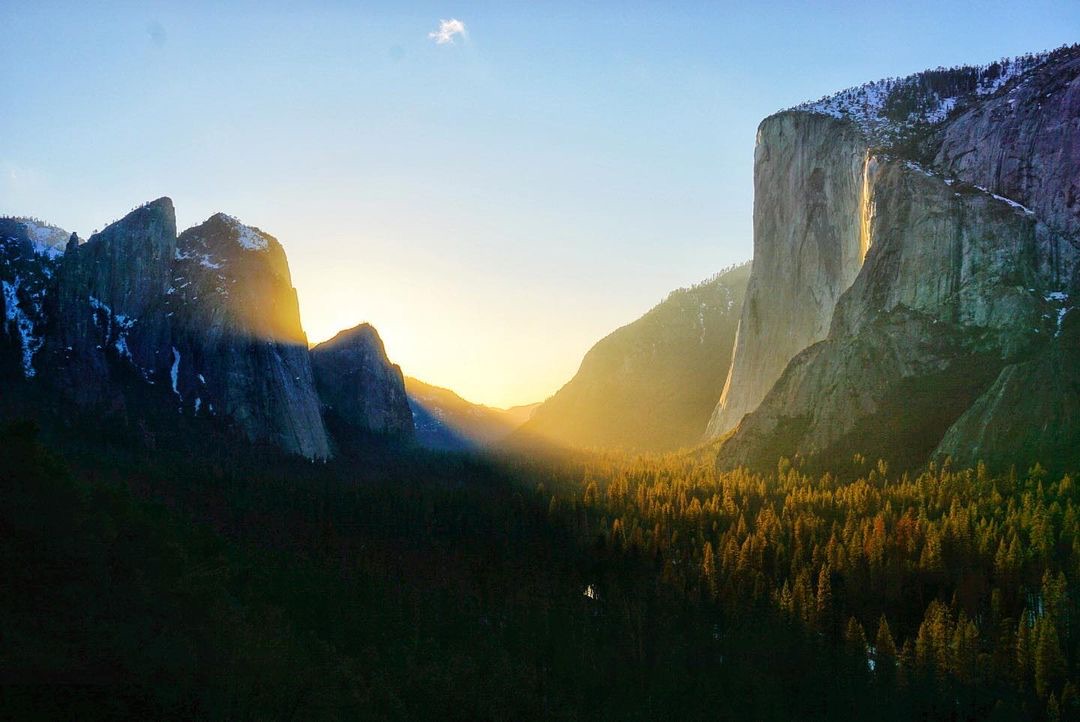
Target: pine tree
<point x="924" y="647"/>
<point x="787" y="600"/>
<point x="906" y="662"/>
<point x="824" y="597"/>
<point x="933" y="642"/>
<point x="884" y="647"/>
<point x="1023" y="651"/>
<point x="708" y="570"/>
<point x="855" y="636"/>
<point x="1070" y="701"/>
<point x="965" y="648"/>
<point x="1053" y="710"/>
<point x="1049" y="661"/>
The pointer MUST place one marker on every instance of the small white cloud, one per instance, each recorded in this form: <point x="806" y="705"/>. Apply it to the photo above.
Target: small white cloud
<point x="447" y="30"/>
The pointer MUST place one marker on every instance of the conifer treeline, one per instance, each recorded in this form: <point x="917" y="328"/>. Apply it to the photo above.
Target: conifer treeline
<point x="154" y="584"/>
<point x="954" y="580"/>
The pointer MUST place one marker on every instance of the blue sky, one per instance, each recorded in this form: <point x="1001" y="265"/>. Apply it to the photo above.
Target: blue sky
<point x="495" y="204"/>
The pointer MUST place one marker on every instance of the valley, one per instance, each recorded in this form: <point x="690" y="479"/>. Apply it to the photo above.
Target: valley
<point x="844" y="468"/>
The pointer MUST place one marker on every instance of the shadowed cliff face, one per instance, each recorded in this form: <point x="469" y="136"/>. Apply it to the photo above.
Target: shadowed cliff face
<point x="109" y="304"/>
<point x="963" y="290"/>
<point x="137" y="325"/>
<point x="1024" y="145"/>
<point x="360" y="389"/>
<point x="238" y="348"/>
<point x="445" y="421"/>
<point x="1031" y="413"/>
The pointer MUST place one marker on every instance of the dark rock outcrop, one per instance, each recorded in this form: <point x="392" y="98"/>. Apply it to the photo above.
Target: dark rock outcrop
<point x="362" y="392"/>
<point x="109" y="304"/>
<point x="137" y="324"/>
<point x="238" y="349"/>
<point x="652" y="384"/>
<point x="1030" y="414"/>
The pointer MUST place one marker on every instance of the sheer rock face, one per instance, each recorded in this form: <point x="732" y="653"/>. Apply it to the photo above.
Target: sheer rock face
<point x="1024" y="144"/>
<point x="238" y="348"/>
<point x="109" y="304"/>
<point x="652" y="384"/>
<point x="358" y="385"/>
<point x="949" y="294"/>
<point x="1031" y="413"/>
<point x="961" y="298"/>
<point x="808" y="185"/>
<point x="952" y="252"/>
<point x="138" y="324"/>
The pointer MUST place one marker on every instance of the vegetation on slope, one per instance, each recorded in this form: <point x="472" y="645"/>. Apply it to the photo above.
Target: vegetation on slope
<point x="439" y="586"/>
<point x="652" y="384"/>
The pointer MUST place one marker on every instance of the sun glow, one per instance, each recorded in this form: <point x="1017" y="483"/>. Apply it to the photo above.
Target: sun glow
<point x="439" y="329"/>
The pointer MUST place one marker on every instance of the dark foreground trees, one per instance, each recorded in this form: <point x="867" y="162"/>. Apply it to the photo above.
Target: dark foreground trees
<point x="398" y="586"/>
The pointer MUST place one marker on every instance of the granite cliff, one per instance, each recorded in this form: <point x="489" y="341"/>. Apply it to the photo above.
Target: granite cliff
<point x="238" y="348"/>
<point x="142" y="327"/>
<point x="899" y="299"/>
<point x="361" y="390"/>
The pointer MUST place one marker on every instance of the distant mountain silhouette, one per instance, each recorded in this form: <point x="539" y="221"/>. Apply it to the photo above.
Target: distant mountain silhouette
<point x="650" y="385"/>
<point x="444" y="420"/>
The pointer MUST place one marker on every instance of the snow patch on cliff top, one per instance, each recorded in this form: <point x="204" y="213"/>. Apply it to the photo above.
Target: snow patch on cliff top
<point x="48" y="240"/>
<point x="251" y="239"/>
<point x="885" y="110"/>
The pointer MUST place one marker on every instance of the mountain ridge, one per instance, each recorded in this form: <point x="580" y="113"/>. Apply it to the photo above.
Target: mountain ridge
<point x="650" y="385"/>
<point x="446" y="421"/>
<point x="359" y="386"/>
<point x="138" y="322"/>
<point x="969" y="260"/>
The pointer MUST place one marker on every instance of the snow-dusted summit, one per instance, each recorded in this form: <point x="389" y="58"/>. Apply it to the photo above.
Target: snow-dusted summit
<point x="888" y="110"/>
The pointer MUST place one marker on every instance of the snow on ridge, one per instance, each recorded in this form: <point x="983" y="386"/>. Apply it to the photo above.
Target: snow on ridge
<point x="23" y="325"/>
<point x="199" y="253"/>
<point x="203" y="258"/>
<point x="122" y="322"/>
<point x="1061" y="298"/>
<point x="48" y="240"/>
<point x="1010" y="68"/>
<point x="912" y="165"/>
<point x="249" y="238"/>
<point x="868" y="105"/>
